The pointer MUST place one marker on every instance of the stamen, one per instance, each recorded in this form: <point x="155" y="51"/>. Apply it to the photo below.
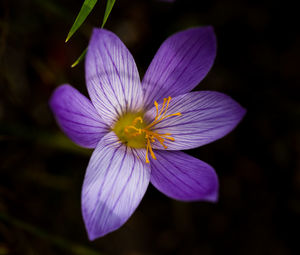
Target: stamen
<point x="156" y="107"/>
<point x="151" y="136"/>
<point x="173" y="114"/>
<point x="132" y="127"/>
<point x="148" y="144"/>
<point x="151" y="151"/>
<point x="158" y="117"/>
<point x="163" y="106"/>
<point x="169" y="99"/>
<point x="136" y="120"/>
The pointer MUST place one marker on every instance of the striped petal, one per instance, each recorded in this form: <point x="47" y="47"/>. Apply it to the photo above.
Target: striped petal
<point x="77" y="116"/>
<point x="184" y="177"/>
<point x="181" y="62"/>
<point x="205" y="117"/>
<point x="112" y="77"/>
<point x="115" y="182"/>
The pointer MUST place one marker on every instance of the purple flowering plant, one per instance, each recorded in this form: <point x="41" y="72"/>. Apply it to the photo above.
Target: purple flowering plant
<point x="138" y="128"/>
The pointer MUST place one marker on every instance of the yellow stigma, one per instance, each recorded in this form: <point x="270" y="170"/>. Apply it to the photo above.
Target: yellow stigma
<point x="134" y="132"/>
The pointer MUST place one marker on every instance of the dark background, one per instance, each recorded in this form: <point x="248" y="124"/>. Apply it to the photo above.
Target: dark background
<point x="258" y="163"/>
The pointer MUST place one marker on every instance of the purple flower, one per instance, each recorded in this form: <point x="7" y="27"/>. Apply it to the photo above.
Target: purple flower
<point x="137" y="129"/>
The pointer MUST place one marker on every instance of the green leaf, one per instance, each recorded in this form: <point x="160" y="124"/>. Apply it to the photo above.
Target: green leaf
<point x="79" y="59"/>
<point x="85" y="10"/>
<point x="109" y="6"/>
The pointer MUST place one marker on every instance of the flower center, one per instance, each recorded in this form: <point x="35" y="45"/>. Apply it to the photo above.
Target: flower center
<point x="134" y="132"/>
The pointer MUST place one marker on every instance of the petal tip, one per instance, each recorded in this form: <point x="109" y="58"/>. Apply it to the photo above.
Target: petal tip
<point x="92" y="232"/>
<point x="97" y="31"/>
<point x="97" y="34"/>
<point x="207" y="31"/>
<point x="213" y="195"/>
<point x="92" y="236"/>
<point x="95" y="230"/>
<point x="213" y="198"/>
<point x="100" y="31"/>
<point x="56" y="95"/>
<point x="210" y="29"/>
<point x="212" y="35"/>
<point x="242" y="112"/>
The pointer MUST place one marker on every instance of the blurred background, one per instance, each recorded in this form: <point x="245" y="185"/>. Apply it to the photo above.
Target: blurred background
<point x="41" y="171"/>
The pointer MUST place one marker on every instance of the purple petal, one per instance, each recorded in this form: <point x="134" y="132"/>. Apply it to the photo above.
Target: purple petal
<point x="184" y="177"/>
<point x="77" y="116"/>
<point x="112" y="77"/>
<point x="181" y="62"/>
<point x="115" y="182"/>
<point x="205" y="117"/>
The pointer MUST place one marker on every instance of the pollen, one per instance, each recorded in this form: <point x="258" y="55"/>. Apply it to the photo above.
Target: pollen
<point x="134" y="132"/>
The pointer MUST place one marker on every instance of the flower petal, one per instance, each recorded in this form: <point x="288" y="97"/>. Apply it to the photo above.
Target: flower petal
<point x="181" y="62"/>
<point x="112" y="77"/>
<point x="184" y="177"/>
<point x="77" y="116"/>
<point x="205" y="117"/>
<point x="114" y="184"/>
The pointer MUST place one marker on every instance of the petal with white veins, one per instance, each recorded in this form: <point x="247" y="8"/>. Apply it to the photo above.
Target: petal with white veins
<point x="181" y="62"/>
<point x="115" y="182"/>
<point x="184" y="177"/>
<point x="77" y="116"/>
<point x="205" y="117"/>
<point x="112" y="77"/>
